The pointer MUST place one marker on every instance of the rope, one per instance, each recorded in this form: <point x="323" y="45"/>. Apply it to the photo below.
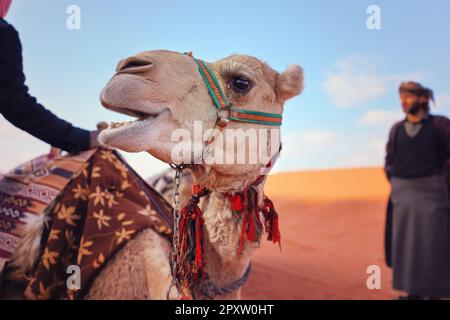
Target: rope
<point x="211" y="290"/>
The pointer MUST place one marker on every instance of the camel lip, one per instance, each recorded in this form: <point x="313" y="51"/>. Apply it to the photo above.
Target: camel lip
<point x="129" y="112"/>
<point x="119" y="125"/>
<point x="140" y="116"/>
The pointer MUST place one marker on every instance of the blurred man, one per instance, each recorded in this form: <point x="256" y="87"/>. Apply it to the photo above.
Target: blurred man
<point x="417" y="152"/>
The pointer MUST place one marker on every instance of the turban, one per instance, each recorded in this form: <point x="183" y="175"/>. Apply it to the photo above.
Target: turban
<point x="417" y="89"/>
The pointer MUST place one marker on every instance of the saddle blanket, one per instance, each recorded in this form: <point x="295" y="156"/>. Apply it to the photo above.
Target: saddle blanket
<point x="95" y="203"/>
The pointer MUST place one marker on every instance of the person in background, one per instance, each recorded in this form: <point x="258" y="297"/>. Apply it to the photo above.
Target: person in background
<point x="23" y="110"/>
<point x="416" y="164"/>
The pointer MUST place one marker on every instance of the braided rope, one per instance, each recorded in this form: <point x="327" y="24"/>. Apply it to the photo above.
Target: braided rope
<point x="215" y="92"/>
<point x="211" y="290"/>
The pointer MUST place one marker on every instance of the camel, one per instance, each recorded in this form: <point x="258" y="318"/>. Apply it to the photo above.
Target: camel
<point x="164" y="91"/>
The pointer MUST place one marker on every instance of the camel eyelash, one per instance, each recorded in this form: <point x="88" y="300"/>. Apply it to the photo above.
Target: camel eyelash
<point x="235" y="69"/>
<point x="228" y="75"/>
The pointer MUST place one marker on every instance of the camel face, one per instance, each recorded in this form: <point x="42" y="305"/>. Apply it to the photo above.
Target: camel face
<point x="154" y="87"/>
<point x="165" y="92"/>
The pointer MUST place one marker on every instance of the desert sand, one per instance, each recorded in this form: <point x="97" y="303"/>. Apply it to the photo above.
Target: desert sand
<point x="332" y="226"/>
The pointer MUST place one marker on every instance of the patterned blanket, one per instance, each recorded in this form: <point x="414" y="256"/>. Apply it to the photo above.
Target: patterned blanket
<point x="27" y="190"/>
<point x="96" y="203"/>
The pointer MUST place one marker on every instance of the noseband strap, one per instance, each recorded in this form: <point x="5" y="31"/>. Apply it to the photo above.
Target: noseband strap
<point x="226" y="111"/>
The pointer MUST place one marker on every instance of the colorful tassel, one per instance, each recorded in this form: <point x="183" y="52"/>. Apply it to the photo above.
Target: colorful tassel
<point x="271" y="222"/>
<point x="190" y="264"/>
<point x="246" y="203"/>
<point x="236" y="202"/>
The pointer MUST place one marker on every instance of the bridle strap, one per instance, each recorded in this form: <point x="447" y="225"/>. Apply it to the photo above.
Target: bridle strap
<point x="222" y="103"/>
<point x="220" y="100"/>
<point x="210" y="290"/>
<point x="258" y="117"/>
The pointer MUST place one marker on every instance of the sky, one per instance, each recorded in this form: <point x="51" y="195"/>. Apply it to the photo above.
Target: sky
<point x="352" y="73"/>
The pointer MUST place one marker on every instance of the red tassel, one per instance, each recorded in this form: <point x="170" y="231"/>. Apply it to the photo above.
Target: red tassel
<point x="190" y="263"/>
<point x="251" y="235"/>
<point x="245" y="203"/>
<point x="198" y="240"/>
<point x="271" y="222"/>
<point x="236" y="202"/>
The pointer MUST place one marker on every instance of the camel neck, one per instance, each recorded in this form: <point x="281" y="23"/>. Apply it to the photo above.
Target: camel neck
<point x="222" y="230"/>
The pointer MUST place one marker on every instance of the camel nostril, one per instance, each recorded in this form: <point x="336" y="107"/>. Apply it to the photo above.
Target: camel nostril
<point x="135" y="64"/>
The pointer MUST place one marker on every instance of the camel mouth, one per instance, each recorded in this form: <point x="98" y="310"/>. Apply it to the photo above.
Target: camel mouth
<point x="131" y="136"/>
<point x="138" y="114"/>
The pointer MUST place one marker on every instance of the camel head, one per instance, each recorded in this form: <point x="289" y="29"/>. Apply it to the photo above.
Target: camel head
<point x="167" y="95"/>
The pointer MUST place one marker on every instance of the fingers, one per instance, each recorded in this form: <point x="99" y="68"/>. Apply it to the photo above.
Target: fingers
<point x="102" y="125"/>
<point x="54" y="152"/>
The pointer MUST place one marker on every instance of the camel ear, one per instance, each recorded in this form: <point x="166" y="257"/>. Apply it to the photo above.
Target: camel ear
<point x="290" y="82"/>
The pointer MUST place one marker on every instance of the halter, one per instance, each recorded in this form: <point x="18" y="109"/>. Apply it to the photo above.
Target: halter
<point x="225" y="110"/>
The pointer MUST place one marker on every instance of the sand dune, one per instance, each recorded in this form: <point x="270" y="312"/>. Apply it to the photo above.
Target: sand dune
<point x="332" y="225"/>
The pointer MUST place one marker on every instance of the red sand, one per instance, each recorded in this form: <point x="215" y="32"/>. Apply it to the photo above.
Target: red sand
<point x="332" y="225"/>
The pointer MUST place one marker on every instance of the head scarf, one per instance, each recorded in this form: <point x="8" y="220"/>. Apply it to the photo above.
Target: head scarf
<point x="417" y="89"/>
<point x="4" y="7"/>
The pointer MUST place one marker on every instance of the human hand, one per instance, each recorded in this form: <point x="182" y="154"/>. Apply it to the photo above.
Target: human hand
<point x="94" y="143"/>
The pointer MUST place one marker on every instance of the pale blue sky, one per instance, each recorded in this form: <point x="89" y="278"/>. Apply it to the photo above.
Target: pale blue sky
<point x="351" y="73"/>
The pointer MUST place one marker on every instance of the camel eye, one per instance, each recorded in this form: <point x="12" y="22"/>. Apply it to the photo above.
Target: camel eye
<point x="241" y="84"/>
